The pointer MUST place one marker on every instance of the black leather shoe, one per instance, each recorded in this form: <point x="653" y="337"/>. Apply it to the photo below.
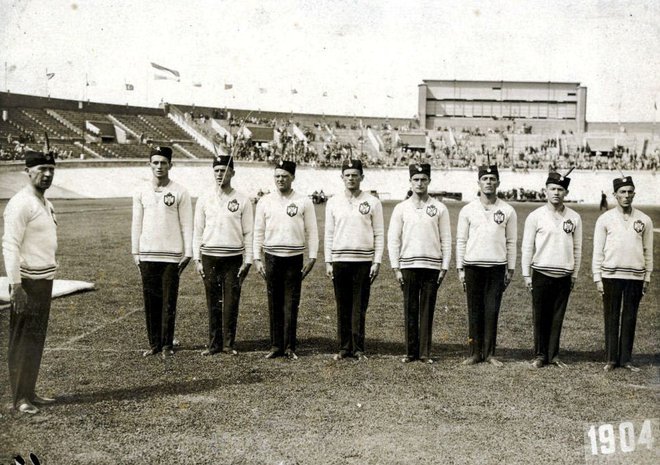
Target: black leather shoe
<point x="19" y="460"/>
<point x="167" y="353"/>
<point x="230" y="351"/>
<point x="538" y="363"/>
<point x="360" y="356"/>
<point x="150" y="352"/>
<point x="40" y="400"/>
<point x="631" y="367"/>
<point x="273" y="354"/>
<point x="609" y="367"/>
<point x="470" y="361"/>
<point x="407" y="359"/>
<point x="208" y="352"/>
<point x="291" y="355"/>
<point x="34" y="459"/>
<point x="26" y="407"/>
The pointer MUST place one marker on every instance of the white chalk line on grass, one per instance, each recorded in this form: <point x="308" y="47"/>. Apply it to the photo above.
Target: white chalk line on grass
<point x="75" y="339"/>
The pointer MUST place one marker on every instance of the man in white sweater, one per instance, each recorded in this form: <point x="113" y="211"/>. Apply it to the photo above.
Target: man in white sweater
<point x="222" y="252"/>
<point x="622" y="266"/>
<point x="354" y="244"/>
<point x="419" y="245"/>
<point x="486" y="239"/>
<point x="551" y="254"/>
<point x="284" y="222"/>
<point x="29" y="244"/>
<point x="161" y="243"/>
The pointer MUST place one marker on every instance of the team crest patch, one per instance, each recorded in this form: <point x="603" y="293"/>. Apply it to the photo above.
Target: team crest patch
<point x="431" y="210"/>
<point x="498" y="217"/>
<point x="568" y="226"/>
<point x="169" y="199"/>
<point x="638" y="226"/>
<point x="232" y="205"/>
<point x="292" y="210"/>
<point x="364" y="208"/>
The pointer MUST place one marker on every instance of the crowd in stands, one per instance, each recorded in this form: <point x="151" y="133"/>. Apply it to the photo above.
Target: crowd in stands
<point x="326" y="144"/>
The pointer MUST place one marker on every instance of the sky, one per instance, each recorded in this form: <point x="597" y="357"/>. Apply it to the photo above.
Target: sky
<point x="367" y="56"/>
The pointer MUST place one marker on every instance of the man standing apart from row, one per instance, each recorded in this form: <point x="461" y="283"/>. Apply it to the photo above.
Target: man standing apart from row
<point x="354" y="244"/>
<point x="551" y="254"/>
<point x="419" y="245"/>
<point x="29" y="244"/>
<point x="222" y="252"/>
<point x="486" y="239"/>
<point x="622" y="266"/>
<point x="161" y="237"/>
<point x="284" y="222"/>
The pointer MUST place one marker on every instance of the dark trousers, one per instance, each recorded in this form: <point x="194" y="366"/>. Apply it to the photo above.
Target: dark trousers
<point x="352" y="286"/>
<point x="484" y="287"/>
<point x="549" y="301"/>
<point x="160" y="287"/>
<point x="28" y="324"/>
<point x="283" y="282"/>
<point x="223" y="293"/>
<point x="420" y="289"/>
<point x="620" y="325"/>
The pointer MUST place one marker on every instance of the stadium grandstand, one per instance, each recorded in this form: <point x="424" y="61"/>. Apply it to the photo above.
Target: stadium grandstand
<point x="522" y="125"/>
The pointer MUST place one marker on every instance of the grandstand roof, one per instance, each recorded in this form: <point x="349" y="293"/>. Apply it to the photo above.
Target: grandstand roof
<point x="426" y="81"/>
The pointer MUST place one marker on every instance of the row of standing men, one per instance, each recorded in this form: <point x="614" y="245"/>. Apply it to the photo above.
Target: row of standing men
<point x="224" y="241"/>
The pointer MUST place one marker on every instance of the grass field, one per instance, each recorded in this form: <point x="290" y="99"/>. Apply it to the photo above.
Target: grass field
<point x="115" y="407"/>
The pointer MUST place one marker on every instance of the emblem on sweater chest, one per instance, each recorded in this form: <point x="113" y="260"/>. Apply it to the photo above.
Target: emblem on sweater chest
<point x="364" y="208"/>
<point x="431" y="210"/>
<point x="292" y="210"/>
<point x="498" y="217"/>
<point x="568" y="226"/>
<point x="169" y="199"/>
<point x="638" y="226"/>
<point x="233" y="205"/>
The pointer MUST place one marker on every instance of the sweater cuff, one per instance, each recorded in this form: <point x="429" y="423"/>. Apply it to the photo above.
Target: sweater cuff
<point x="597" y="277"/>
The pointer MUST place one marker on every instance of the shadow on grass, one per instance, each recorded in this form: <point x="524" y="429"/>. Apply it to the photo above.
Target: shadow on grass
<point x="157" y="390"/>
<point x="324" y="345"/>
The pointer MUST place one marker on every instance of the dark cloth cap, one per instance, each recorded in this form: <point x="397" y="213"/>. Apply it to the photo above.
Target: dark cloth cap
<point x="286" y="165"/>
<point x="484" y="170"/>
<point x="420" y="168"/>
<point x="33" y="158"/>
<point x="556" y="178"/>
<point x="162" y="151"/>
<point x="352" y="165"/>
<point x="624" y="181"/>
<point x="223" y="160"/>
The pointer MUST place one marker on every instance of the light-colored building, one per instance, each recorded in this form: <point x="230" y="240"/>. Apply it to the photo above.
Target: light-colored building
<point x="548" y="107"/>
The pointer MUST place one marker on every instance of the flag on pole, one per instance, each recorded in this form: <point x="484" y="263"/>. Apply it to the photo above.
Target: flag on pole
<point x="129" y="86"/>
<point x="389" y="96"/>
<point x="165" y="73"/>
<point x="197" y="84"/>
<point x="325" y="94"/>
<point x="294" y="91"/>
<point x="228" y="86"/>
<point x="50" y="76"/>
